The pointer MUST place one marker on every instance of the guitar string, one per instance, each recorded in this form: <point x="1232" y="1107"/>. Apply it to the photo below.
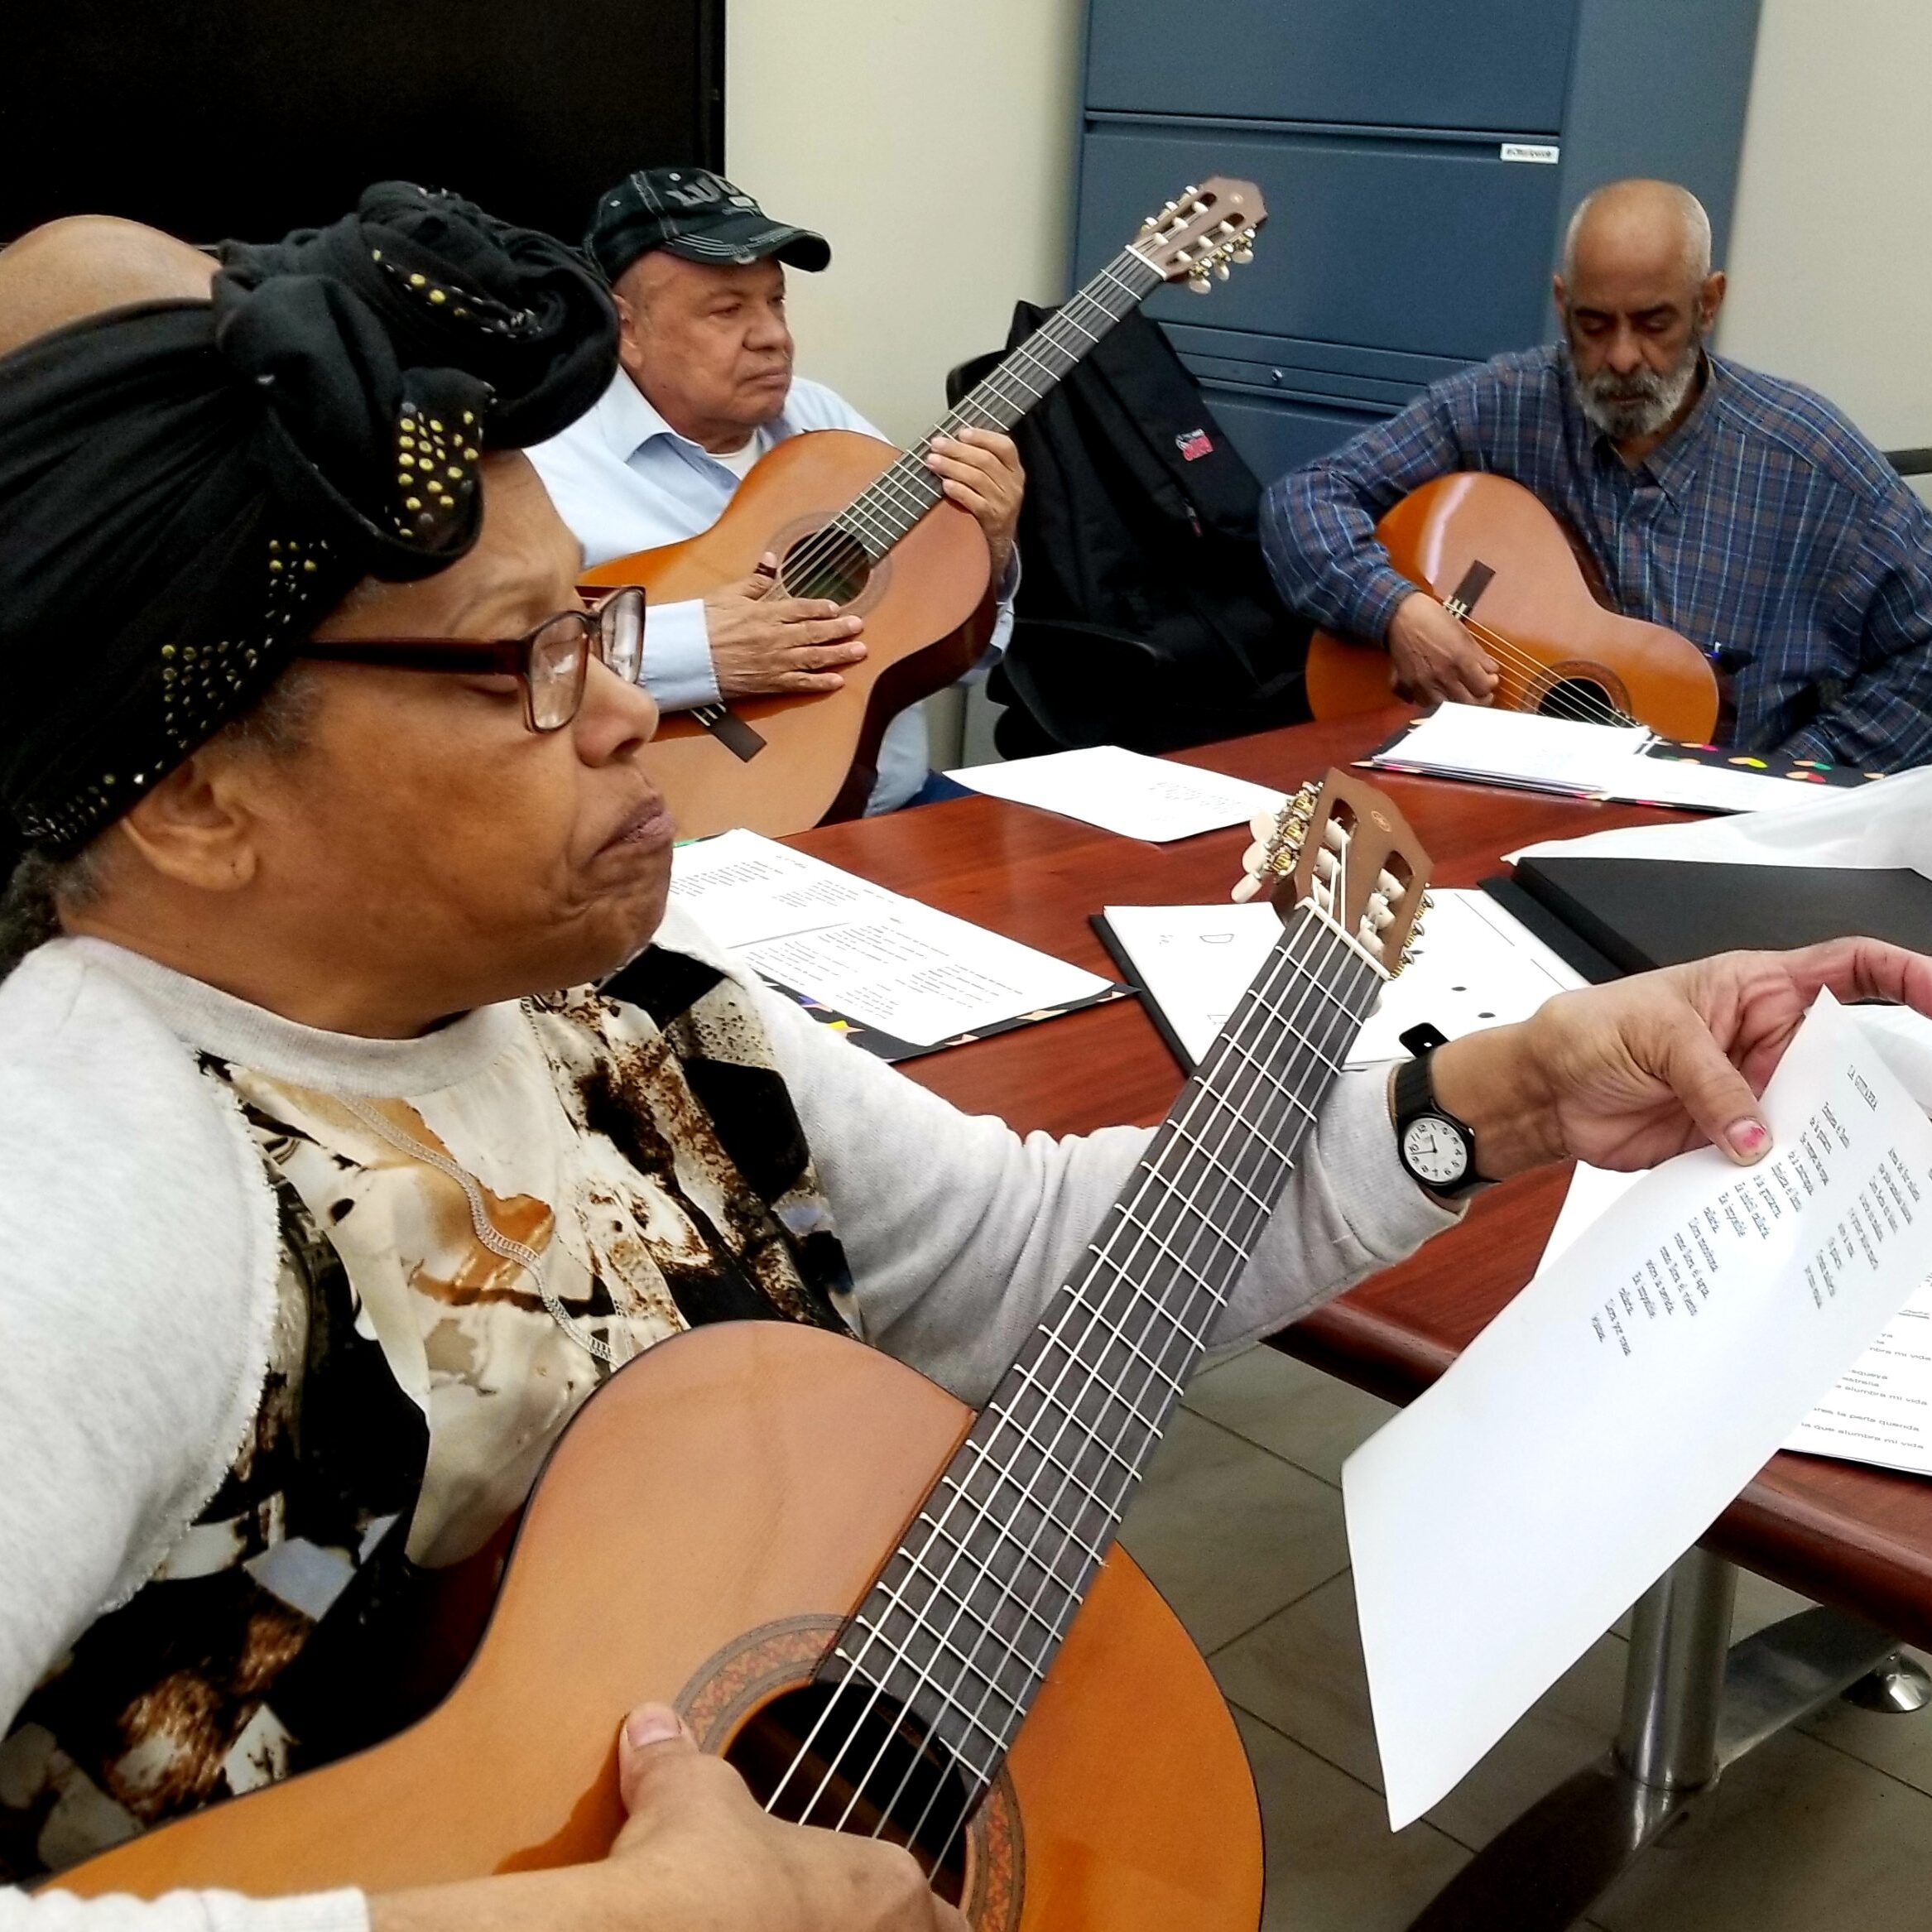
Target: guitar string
<point x="1234" y="1126"/>
<point x="943" y="1522"/>
<point x="1179" y="1348"/>
<point x="1194" y="1341"/>
<point x="823" y="545"/>
<point x="1076" y="1306"/>
<point x="818" y="549"/>
<point x="1340" y="1029"/>
<point x="809" y="557"/>
<point x="877" y="1638"/>
<point x="1529" y="670"/>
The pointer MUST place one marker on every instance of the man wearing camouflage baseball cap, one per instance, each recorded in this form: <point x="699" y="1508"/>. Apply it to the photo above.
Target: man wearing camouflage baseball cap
<point x="705" y="388"/>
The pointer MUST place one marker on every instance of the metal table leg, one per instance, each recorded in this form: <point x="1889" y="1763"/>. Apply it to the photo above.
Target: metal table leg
<point x="1692" y="1702"/>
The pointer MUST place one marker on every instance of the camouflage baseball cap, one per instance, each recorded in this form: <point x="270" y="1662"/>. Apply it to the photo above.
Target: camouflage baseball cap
<point x="694" y="214"/>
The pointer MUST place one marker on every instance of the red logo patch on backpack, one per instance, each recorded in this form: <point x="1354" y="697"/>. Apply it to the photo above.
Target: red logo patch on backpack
<point x="1193" y="444"/>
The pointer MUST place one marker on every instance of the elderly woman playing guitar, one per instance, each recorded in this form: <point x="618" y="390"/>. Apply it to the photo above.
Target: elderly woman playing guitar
<point x="322" y="1211"/>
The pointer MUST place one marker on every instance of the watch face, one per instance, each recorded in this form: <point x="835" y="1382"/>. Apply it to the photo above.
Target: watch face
<point x="1433" y="1152"/>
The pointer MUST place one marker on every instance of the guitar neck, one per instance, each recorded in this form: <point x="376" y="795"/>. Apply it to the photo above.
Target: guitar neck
<point x="889" y="507"/>
<point x="971" y="1609"/>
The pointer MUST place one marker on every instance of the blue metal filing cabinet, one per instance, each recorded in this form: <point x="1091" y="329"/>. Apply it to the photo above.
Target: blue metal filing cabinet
<point x="1401" y="244"/>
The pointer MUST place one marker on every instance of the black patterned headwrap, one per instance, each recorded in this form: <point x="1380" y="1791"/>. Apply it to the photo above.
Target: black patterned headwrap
<point x="188" y="488"/>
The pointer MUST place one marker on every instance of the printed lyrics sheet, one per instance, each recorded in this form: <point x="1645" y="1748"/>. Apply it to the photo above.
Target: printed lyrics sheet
<point x="1604" y="1420"/>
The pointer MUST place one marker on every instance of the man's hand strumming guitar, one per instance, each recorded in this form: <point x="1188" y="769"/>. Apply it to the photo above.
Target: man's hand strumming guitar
<point x="1432" y="657"/>
<point x="697" y="1855"/>
<point x="763" y="641"/>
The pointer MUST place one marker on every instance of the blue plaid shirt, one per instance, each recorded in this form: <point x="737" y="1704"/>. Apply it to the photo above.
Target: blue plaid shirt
<point x="1766" y="530"/>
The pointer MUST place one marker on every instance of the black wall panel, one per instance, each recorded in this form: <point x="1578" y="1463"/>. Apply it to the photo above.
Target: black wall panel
<point x="219" y="117"/>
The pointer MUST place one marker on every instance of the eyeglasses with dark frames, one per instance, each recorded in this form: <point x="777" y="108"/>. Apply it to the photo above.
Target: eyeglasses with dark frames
<point x="552" y="662"/>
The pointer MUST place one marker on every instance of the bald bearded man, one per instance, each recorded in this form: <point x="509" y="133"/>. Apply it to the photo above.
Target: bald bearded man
<point x="1743" y="512"/>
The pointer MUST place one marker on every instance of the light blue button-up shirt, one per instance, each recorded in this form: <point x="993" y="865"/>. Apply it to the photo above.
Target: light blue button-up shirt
<point x="624" y="480"/>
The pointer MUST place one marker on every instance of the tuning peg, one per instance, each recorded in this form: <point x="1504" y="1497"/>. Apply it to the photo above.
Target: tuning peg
<point x="1242" y="255"/>
<point x="1221" y="272"/>
<point x="1150" y="225"/>
<point x="1197" y="285"/>
<point x="1189" y="192"/>
<point x="1169" y="207"/>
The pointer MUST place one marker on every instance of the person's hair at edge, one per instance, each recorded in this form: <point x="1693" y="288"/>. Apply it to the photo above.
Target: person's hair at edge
<point x="331" y="340"/>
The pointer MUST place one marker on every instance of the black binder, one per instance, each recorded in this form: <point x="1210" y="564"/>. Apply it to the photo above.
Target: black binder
<point x="1639" y="913"/>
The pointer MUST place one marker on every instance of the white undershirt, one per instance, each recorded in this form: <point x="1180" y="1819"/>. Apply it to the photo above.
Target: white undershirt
<point x="739" y="462"/>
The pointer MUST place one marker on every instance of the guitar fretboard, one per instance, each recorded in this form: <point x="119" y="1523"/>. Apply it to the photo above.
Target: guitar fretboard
<point x="895" y="500"/>
<point x="971" y="1609"/>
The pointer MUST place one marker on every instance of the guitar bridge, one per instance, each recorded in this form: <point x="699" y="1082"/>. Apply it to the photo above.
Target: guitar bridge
<point x="1461" y="600"/>
<point x="730" y="730"/>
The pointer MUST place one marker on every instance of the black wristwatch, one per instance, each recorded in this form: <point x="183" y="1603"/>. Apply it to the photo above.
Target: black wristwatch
<point x="1437" y="1151"/>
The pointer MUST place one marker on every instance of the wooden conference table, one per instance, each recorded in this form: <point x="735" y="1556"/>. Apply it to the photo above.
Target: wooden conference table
<point x="1854" y="1537"/>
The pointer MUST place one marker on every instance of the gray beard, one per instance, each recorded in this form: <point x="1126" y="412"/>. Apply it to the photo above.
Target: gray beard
<point x="1625" y="408"/>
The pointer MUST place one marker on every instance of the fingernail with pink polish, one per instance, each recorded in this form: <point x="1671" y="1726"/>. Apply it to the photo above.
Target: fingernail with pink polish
<point x="1748" y="1138"/>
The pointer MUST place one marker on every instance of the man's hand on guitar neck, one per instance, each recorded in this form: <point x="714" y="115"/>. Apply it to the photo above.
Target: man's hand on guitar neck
<point x="763" y="642"/>
<point x="697" y="1855"/>
<point x="1432" y="657"/>
<point x="980" y="471"/>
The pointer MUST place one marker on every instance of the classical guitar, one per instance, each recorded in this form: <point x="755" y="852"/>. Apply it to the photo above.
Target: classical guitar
<point x="1504" y="565"/>
<point x="851" y="520"/>
<point x="893" y="1615"/>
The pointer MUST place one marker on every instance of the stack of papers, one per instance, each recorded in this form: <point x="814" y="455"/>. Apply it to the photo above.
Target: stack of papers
<point x="1585" y="761"/>
<point x="899" y="976"/>
<point x="1124" y="792"/>
<point x="1474" y="967"/>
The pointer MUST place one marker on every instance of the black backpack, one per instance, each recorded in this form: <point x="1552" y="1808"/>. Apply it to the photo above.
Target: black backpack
<point x="1145" y="617"/>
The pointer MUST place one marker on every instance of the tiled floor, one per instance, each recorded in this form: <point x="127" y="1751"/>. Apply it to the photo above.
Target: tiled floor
<point x="1240" y="1524"/>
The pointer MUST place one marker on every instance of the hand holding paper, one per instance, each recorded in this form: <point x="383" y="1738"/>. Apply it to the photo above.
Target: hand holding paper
<point x="1603" y="1419"/>
<point x="1625" y="1075"/>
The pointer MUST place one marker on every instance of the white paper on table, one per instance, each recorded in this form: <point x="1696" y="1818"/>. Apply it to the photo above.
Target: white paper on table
<point x="1474" y="967"/>
<point x="919" y="975"/>
<point x="1598" y="760"/>
<point x="1607" y="1416"/>
<point x="1196" y="962"/>
<point x="741" y="886"/>
<point x="1887" y="823"/>
<point x="1125" y="791"/>
<point x="1881" y="1411"/>
<point x="1695" y="786"/>
<point x="1520" y="746"/>
<point x="885" y="961"/>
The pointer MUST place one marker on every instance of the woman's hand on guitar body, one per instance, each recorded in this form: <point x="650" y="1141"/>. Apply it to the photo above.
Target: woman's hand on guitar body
<point x="1432" y="657"/>
<point x="762" y="642"/>
<point x="697" y="1855"/>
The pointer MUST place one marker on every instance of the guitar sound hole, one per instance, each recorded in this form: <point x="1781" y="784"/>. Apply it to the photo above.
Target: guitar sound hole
<point x="1582" y="700"/>
<point x="862" y="1741"/>
<point x="827" y="563"/>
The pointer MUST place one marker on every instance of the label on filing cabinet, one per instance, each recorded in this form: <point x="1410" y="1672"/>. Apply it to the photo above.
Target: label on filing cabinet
<point x="1532" y="151"/>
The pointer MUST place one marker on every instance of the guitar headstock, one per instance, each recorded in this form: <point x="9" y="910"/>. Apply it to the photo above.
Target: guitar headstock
<point x="1342" y="844"/>
<point x="1201" y="232"/>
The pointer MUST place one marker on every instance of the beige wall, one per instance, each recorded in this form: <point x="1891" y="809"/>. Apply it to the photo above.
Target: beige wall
<point x="1831" y="252"/>
<point x="932" y="142"/>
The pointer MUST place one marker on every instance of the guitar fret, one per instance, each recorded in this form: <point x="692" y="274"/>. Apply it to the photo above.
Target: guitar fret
<point x="1112" y="1390"/>
<point x="943" y="1646"/>
<point x="1070" y="1475"/>
<point x="1026" y="1376"/>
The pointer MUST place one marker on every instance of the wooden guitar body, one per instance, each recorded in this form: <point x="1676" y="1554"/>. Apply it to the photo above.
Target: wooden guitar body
<point x="928" y="609"/>
<point x="1559" y="650"/>
<point x="699" y="1533"/>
